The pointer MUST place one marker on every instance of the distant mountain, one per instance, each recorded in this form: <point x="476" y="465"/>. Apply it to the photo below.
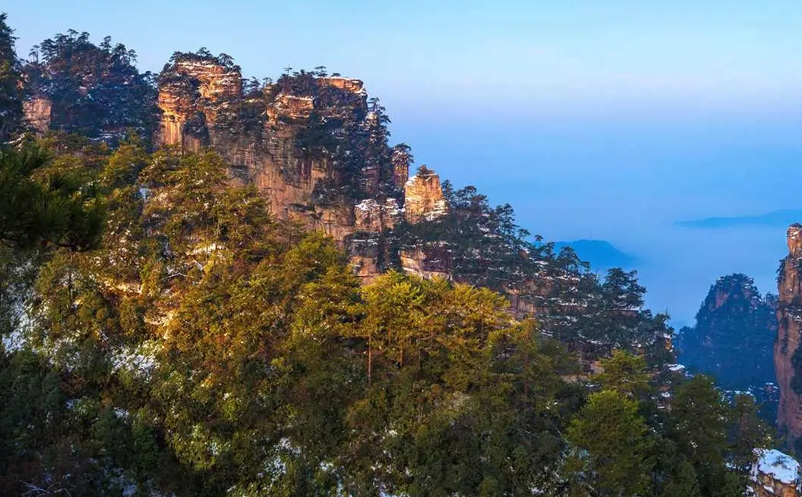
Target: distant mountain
<point x="781" y="219"/>
<point x="600" y="253"/>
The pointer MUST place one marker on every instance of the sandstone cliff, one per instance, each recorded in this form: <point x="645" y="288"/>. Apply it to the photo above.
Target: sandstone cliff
<point x="318" y="149"/>
<point x="37" y="112"/>
<point x="786" y="347"/>
<point x="424" y="196"/>
<point x="96" y="91"/>
<point x="311" y="143"/>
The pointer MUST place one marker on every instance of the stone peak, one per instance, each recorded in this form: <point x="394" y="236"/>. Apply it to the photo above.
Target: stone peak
<point x="794" y="236"/>
<point x="424" y="196"/>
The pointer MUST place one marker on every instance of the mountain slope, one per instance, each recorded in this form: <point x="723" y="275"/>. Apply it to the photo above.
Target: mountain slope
<point x="733" y="337"/>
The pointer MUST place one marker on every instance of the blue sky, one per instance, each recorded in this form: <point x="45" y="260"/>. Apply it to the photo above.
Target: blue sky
<point x="569" y="56"/>
<point x="594" y="119"/>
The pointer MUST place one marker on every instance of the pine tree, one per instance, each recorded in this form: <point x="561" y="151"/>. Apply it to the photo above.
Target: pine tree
<point x="682" y="483"/>
<point x="614" y="446"/>
<point x="39" y="206"/>
<point x="10" y="83"/>
<point x="625" y="373"/>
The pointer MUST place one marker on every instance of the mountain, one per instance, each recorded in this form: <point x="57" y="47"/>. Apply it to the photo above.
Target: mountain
<point x="774" y="219"/>
<point x="600" y="253"/>
<point x="733" y="337"/>
<point x="212" y="286"/>
<point x="317" y="149"/>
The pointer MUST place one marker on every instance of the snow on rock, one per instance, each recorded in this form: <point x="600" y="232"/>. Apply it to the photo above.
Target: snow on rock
<point x="775" y="474"/>
<point x="372" y="216"/>
<point x="424" y="197"/>
<point x="780" y="466"/>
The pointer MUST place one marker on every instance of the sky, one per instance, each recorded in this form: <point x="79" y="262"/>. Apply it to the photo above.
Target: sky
<point x="608" y="120"/>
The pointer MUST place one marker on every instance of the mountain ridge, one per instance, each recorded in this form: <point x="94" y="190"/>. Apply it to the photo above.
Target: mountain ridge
<point x="779" y="218"/>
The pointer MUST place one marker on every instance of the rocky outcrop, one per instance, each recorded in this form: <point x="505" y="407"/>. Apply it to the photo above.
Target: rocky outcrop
<point x="290" y="108"/>
<point x="401" y="160"/>
<point x="374" y="217"/>
<point x="431" y="262"/>
<point x="92" y="90"/>
<point x="733" y="337"/>
<point x="775" y="474"/>
<point x="37" y="112"/>
<point x="347" y="84"/>
<point x="294" y="140"/>
<point x="190" y="95"/>
<point x="786" y="347"/>
<point x="423" y="197"/>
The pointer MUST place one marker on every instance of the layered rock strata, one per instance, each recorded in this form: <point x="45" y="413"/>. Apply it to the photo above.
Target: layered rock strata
<point x="277" y="140"/>
<point x="787" y="356"/>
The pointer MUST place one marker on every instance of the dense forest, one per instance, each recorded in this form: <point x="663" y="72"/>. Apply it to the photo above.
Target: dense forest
<point x="164" y="333"/>
<point x="733" y="339"/>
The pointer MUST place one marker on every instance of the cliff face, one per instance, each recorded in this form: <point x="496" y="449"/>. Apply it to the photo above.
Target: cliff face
<point x="318" y="150"/>
<point x="37" y="112"/>
<point x="96" y="91"/>
<point x="786" y="347"/>
<point x="190" y="96"/>
<point x="424" y="197"/>
<point x="309" y="142"/>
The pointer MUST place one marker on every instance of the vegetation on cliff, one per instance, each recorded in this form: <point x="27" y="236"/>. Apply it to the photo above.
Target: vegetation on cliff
<point x="186" y="341"/>
<point x="204" y="348"/>
<point x="485" y="247"/>
<point x="95" y="90"/>
<point x="734" y="335"/>
<point x="10" y="78"/>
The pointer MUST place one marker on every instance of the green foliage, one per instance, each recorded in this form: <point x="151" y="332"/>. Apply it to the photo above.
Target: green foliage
<point x="615" y="446"/>
<point x="713" y="434"/>
<point x="626" y="374"/>
<point x="682" y="482"/>
<point x="201" y="347"/>
<point x="10" y="78"/>
<point x="42" y="206"/>
<point x="163" y="334"/>
<point x="95" y="89"/>
<point x="734" y="335"/>
<point x="485" y="247"/>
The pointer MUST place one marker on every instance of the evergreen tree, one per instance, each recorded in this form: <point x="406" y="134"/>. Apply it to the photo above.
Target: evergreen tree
<point x="10" y="81"/>
<point x="95" y="90"/>
<point x="734" y="334"/>
<point x="626" y="374"/>
<point x="38" y="205"/>
<point x="614" y="447"/>
<point x="682" y="482"/>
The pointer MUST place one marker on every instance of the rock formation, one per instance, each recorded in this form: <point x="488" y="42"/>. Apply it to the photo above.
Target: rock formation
<point x="423" y="196"/>
<point x="786" y="348"/>
<point x="37" y="112"/>
<point x="99" y="94"/>
<point x="318" y="150"/>
<point x="733" y="336"/>
<point x="190" y="95"/>
<point x="775" y="474"/>
<point x="430" y="262"/>
<point x="304" y="141"/>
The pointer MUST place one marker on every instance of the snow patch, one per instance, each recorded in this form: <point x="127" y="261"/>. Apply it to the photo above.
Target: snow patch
<point x="779" y="466"/>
